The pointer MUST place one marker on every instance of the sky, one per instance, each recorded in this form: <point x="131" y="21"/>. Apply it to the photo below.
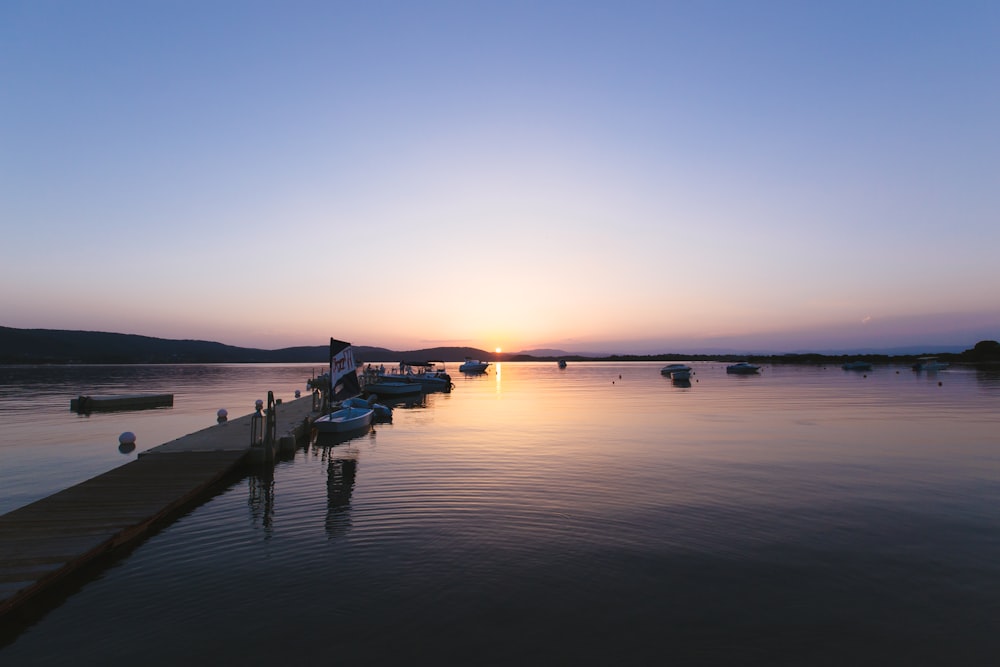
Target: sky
<point x="619" y="177"/>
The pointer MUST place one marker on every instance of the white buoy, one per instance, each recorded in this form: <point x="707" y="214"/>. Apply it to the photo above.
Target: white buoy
<point x="126" y="438"/>
<point x="223" y="415"/>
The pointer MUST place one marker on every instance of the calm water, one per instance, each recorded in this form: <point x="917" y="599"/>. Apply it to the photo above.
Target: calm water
<point x="592" y="515"/>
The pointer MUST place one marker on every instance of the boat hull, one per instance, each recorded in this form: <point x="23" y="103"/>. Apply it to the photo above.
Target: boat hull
<point x="394" y="388"/>
<point x="743" y="369"/>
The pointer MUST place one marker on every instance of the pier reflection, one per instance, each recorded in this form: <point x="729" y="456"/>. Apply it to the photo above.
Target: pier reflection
<point x="260" y="500"/>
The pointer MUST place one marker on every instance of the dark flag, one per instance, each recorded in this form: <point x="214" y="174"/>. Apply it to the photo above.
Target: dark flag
<point x="343" y="372"/>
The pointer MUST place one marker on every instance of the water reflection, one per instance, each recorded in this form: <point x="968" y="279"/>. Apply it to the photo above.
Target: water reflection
<point x="341" y="463"/>
<point x="260" y="500"/>
<point x="988" y="376"/>
<point x="341" y="471"/>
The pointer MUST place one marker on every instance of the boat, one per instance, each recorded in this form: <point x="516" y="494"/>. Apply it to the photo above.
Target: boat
<point x="562" y="363"/>
<point x="474" y="366"/>
<point x="857" y="366"/>
<point x="84" y="404"/>
<point x="391" y="388"/>
<point x="344" y="385"/>
<point x="679" y="369"/>
<point x="929" y="364"/>
<point x="380" y="412"/>
<point x="426" y="373"/>
<point x="344" y="420"/>
<point x="742" y="368"/>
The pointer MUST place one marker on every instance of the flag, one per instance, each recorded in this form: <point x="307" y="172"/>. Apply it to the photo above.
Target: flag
<point x="343" y="371"/>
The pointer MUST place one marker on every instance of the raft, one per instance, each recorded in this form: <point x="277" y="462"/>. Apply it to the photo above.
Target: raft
<point x="121" y="402"/>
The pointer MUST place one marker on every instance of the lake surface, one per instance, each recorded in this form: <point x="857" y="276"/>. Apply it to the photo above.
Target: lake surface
<point x="596" y="514"/>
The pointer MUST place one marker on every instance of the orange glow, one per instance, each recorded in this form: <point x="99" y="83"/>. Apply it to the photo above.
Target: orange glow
<point x="499" y="350"/>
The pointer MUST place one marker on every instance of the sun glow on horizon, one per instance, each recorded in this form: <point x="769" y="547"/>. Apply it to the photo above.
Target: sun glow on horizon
<point x="499" y="350"/>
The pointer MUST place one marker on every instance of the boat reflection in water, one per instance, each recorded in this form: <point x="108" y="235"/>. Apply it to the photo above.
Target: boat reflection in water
<point x="340" y="460"/>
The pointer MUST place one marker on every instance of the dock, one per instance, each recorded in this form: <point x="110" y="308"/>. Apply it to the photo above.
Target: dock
<point x="51" y="542"/>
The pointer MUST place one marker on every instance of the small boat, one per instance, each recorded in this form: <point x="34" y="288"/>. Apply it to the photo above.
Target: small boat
<point x="679" y="369"/>
<point x="742" y="368"/>
<point x="474" y="366"/>
<point x="344" y="385"/>
<point x="929" y="364"/>
<point x="857" y="366"/>
<point x="343" y="420"/>
<point x="380" y="412"/>
<point x="562" y="363"/>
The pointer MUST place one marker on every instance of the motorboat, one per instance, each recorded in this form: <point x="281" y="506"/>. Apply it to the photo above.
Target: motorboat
<point x="857" y="366"/>
<point x="393" y="388"/>
<point x="347" y="418"/>
<point x="929" y="364"/>
<point x="427" y="373"/>
<point x="474" y="366"/>
<point x="743" y="368"/>
<point x="680" y="369"/>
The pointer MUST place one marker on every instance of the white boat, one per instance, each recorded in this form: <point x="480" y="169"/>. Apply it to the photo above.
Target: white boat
<point x="857" y="366"/>
<point x="344" y="420"/>
<point x="344" y="385"/>
<point x="929" y="364"/>
<point x="742" y="368"/>
<point x="474" y="366"/>
<point x="670" y="369"/>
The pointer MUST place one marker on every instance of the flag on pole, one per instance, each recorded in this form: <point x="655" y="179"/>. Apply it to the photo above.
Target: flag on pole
<point x="343" y="372"/>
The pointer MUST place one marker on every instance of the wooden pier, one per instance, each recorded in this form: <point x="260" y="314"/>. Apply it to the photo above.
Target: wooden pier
<point x="46" y="543"/>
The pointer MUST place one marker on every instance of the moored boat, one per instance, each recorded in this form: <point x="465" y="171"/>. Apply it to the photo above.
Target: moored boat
<point x="392" y="388"/>
<point x="857" y="366"/>
<point x="345" y="419"/>
<point x="344" y="385"/>
<point x="929" y="364"/>
<point x="670" y="369"/>
<point x="743" y="368"/>
<point x="474" y="366"/>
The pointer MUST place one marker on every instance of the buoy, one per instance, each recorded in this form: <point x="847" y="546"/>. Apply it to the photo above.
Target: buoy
<point x="222" y="415"/>
<point x="297" y="394"/>
<point x="939" y="383"/>
<point x="126" y="438"/>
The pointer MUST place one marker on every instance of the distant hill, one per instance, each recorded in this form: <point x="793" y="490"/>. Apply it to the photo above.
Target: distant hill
<point x="55" y="346"/>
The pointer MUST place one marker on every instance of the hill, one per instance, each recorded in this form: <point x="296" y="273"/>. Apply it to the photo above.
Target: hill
<point x="55" y="346"/>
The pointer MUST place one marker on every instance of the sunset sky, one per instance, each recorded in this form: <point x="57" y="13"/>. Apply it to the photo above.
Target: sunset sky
<point x="591" y="176"/>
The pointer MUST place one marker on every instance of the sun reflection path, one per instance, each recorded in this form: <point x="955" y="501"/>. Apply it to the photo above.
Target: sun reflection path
<point x="498" y="372"/>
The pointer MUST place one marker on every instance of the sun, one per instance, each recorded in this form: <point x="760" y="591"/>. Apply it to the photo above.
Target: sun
<point x="499" y="350"/>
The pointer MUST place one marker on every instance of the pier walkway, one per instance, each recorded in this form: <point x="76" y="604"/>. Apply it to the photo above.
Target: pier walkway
<point x="44" y="543"/>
